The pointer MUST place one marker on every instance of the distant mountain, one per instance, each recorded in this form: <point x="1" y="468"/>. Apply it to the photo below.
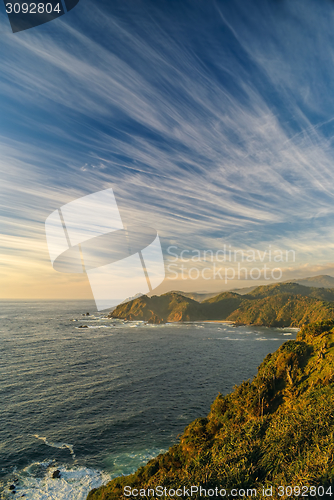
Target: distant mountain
<point x="291" y="288"/>
<point x="198" y="296"/>
<point x="321" y="281"/>
<point x="243" y="291"/>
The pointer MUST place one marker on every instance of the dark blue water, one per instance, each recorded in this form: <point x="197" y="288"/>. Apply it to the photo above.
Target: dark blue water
<point x="110" y="396"/>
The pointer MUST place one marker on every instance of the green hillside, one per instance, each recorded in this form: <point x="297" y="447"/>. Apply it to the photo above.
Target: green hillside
<point x="277" y="429"/>
<point x="198" y="296"/>
<point x="160" y="309"/>
<point x="322" y="281"/>
<point x="282" y="310"/>
<point x="222" y="305"/>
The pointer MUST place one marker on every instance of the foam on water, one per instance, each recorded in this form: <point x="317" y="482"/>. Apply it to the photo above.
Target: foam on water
<point x="61" y="446"/>
<point x="127" y="463"/>
<point x="36" y="483"/>
<point x="230" y="338"/>
<point x="262" y="339"/>
<point x="162" y="325"/>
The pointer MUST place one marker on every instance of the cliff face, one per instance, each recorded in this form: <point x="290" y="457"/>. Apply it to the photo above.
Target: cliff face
<point x="287" y="304"/>
<point x="277" y="429"/>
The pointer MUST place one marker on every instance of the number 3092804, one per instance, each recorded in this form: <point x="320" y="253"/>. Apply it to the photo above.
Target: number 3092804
<point x="32" y="8"/>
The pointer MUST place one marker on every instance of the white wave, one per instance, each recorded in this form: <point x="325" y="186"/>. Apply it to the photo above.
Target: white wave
<point x="289" y="333"/>
<point x="61" y="446"/>
<point x="73" y="484"/>
<point x="92" y="326"/>
<point x="263" y="338"/>
<point x="229" y="338"/>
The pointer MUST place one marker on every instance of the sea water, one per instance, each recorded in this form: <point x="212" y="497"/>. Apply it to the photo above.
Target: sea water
<point x="97" y="402"/>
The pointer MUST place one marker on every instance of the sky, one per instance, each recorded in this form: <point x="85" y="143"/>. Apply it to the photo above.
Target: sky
<point x="212" y="121"/>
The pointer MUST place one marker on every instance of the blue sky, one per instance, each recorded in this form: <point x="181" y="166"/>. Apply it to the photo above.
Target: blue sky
<point x="213" y="122"/>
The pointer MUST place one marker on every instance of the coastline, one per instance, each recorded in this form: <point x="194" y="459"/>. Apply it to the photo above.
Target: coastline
<point x="207" y="321"/>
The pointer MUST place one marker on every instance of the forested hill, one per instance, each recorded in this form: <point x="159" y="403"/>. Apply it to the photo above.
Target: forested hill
<point x="282" y="310"/>
<point x="281" y="304"/>
<point x="159" y="309"/>
<point x="277" y="429"/>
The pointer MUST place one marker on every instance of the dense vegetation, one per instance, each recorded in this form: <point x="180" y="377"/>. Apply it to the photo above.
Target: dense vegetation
<point x="282" y="310"/>
<point x="281" y="304"/>
<point x="277" y="429"/>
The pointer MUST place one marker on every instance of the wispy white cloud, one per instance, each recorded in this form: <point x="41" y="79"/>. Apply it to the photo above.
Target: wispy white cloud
<point x="230" y="145"/>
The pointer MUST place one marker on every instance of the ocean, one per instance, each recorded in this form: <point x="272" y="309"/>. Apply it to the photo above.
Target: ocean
<point x="99" y="401"/>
